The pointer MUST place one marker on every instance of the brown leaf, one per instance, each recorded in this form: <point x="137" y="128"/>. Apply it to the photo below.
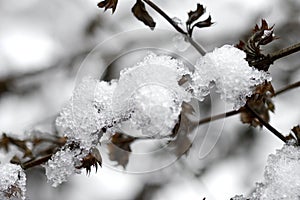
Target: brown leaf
<point x="119" y="149"/>
<point x="205" y="23"/>
<point x="194" y="15"/>
<point x="181" y="133"/>
<point x="262" y="35"/>
<point x="108" y="4"/>
<point x="92" y="159"/>
<point x="140" y="12"/>
<point x="13" y="191"/>
<point x="261" y="102"/>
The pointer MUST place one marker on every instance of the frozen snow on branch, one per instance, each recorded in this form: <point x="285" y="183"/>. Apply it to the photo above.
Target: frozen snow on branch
<point x="150" y="95"/>
<point x="226" y="68"/>
<point x="62" y="165"/>
<point x="12" y="182"/>
<point x="88" y="111"/>
<point x="282" y="177"/>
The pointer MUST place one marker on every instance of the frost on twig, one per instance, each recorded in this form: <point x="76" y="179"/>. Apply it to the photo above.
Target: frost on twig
<point x="282" y="177"/>
<point x="227" y="69"/>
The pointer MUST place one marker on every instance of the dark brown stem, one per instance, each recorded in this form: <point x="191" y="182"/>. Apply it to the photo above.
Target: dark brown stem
<point x="37" y="162"/>
<point x="284" y="52"/>
<point x="287" y="88"/>
<point x="198" y="47"/>
<point x="220" y="116"/>
<point x="266" y="124"/>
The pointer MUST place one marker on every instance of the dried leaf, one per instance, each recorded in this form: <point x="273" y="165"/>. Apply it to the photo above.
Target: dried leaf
<point x="119" y="149"/>
<point x="108" y="4"/>
<point x="261" y="102"/>
<point x="92" y="159"/>
<point x="262" y="35"/>
<point x="13" y="191"/>
<point x="205" y="23"/>
<point x="140" y="12"/>
<point x="182" y="141"/>
<point x="194" y="15"/>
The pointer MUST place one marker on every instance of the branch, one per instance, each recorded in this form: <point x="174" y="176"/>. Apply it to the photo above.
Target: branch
<point x="220" y="116"/>
<point x="284" y="52"/>
<point x="37" y="162"/>
<point x="197" y="46"/>
<point x="266" y="124"/>
<point x="8" y="84"/>
<point x="287" y="88"/>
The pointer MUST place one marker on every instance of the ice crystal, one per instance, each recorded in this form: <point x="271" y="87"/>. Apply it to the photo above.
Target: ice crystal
<point x="282" y="177"/>
<point x="180" y="43"/>
<point x="226" y="68"/>
<point x="149" y="95"/>
<point x="88" y="111"/>
<point x="12" y="182"/>
<point x="62" y="165"/>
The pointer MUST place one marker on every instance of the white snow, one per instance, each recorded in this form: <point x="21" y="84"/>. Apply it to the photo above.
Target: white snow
<point x="12" y="182"/>
<point x="282" y="177"/>
<point x="227" y="69"/>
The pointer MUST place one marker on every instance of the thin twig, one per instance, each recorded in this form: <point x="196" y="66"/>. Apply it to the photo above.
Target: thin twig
<point x="198" y="47"/>
<point x="266" y="124"/>
<point x="284" y="52"/>
<point x="36" y="162"/>
<point x="287" y="88"/>
<point x="220" y="116"/>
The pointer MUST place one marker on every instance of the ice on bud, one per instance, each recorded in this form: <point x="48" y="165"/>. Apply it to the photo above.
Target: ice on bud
<point x="88" y="111"/>
<point x="149" y="97"/>
<point x="62" y="165"/>
<point x="227" y="68"/>
<point x="180" y="43"/>
<point x="12" y="182"/>
<point x="177" y="21"/>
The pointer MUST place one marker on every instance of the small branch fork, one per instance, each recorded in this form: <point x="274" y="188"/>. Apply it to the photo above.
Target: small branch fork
<point x="197" y="46"/>
<point x="262" y="121"/>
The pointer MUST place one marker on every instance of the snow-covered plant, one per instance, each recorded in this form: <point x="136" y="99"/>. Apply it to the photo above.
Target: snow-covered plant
<point x="147" y="102"/>
<point x="282" y="176"/>
<point x="227" y="68"/>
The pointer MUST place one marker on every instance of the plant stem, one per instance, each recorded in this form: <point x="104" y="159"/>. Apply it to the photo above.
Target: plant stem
<point x="198" y="47"/>
<point x="220" y="116"/>
<point x="266" y="124"/>
<point x="284" y="52"/>
<point x="287" y="88"/>
<point x="36" y="162"/>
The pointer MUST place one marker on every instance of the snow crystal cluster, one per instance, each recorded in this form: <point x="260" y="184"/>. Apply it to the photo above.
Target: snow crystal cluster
<point x="62" y="165"/>
<point x="12" y="182"/>
<point x="227" y="69"/>
<point x="146" y="101"/>
<point x="149" y="94"/>
<point x="282" y="177"/>
<point x="87" y="112"/>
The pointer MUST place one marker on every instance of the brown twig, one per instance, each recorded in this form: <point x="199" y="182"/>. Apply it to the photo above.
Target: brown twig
<point x="197" y="46"/>
<point x="287" y="88"/>
<point x="266" y="124"/>
<point x="36" y="162"/>
<point x="284" y="52"/>
<point x="219" y="116"/>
